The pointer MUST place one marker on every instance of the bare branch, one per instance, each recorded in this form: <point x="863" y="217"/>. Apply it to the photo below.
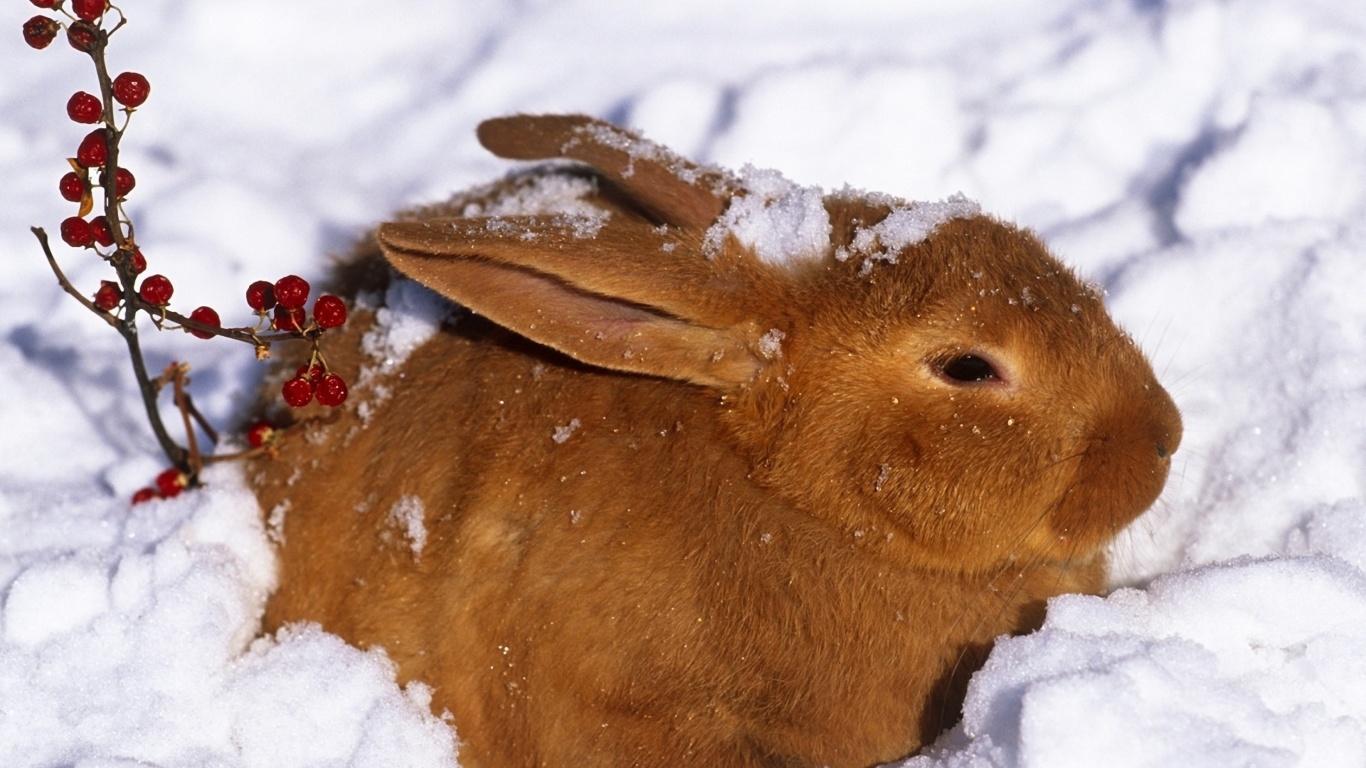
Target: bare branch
<point x="39" y="233"/>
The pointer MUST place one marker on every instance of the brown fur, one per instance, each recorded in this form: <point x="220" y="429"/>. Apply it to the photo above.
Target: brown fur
<point x="738" y="558"/>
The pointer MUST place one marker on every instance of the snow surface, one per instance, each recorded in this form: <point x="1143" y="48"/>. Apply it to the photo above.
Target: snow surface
<point x="1204" y="161"/>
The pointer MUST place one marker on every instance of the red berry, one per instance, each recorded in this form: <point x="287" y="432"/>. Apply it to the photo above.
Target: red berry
<point x="44" y="3"/>
<point x="72" y="187"/>
<point x="259" y="434"/>
<point x="136" y="262"/>
<point x="288" y="320"/>
<point x="332" y="390"/>
<point x="108" y="296"/>
<point x="171" y="482"/>
<point x="40" y="31"/>
<point x="311" y="375"/>
<point x="100" y="231"/>
<point x="89" y="9"/>
<point x="82" y="36"/>
<point x="84" y="107"/>
<point x="297" y="392"/>
<point x="76" y="232"/>
<point x="207" y="316"/>
<point x="157" y="290"/>
<point x="329" y="311"/>
<point x="261" y="295"/>
<point x="145" y="494"/>
<point x="131" y="89"/>
<point x="291" y="291"/>
<point x="123" y="183"/>
<point x="93" y="150"/>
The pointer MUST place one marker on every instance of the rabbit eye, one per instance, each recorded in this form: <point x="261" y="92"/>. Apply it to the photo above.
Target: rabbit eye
<point x="969" y="368"/>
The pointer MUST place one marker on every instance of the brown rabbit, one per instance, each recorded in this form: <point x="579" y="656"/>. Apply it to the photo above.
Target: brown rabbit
<point x="718" y="472"/>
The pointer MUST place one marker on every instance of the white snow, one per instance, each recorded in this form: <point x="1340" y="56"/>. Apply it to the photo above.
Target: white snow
<point x="635" y="148"/>
<point x="135" y="641"/>
<point x="1222" y="665"/>
<point x="906" y="225"/>
<point x="52" y="597"/>
<point x="1203" y="161"/>
<point x="771" y="344"/>
<point x="409" y="516"/>
<point x="561" y="197"/>
<point x="782" y="222"/>
<point x="562" y="433"/>
<point x="539" y="195"/>
<point x="410" y="314"/>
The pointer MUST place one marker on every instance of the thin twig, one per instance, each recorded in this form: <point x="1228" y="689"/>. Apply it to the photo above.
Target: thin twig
<point x="243" y="334"/>
<point x="199" y="417"/>
<point x="127" y="328"/>
<point x="176" y="454"/>
<point x="39" y="233"/>
<point x="177" y="374"/>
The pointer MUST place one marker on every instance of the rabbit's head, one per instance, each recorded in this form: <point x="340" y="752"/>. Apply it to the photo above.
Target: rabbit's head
<point x="929" y="379"/>
<point x="972" y="400"/>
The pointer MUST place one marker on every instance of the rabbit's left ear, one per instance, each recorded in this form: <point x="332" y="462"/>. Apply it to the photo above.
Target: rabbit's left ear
<point x="630" y="297"/>
<point x="671" y="188"/>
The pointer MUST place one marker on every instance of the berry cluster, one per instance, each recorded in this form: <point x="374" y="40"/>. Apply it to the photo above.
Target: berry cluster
<point x="282" y="303"/>
<point x="169" y="484"/>
<point x="287" y="297"/>
<point x="95" y="163"/>
<point x="310" y="382"/>
<point x="280" y="307"/>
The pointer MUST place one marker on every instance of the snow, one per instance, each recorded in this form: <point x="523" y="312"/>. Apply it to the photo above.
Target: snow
<point x="906" y="225"/>
<point x="408" y="315"/>
<point x="1202" y="161"/>
<point x="409" y="516"/>
<point x="136" y="642"/>
<point x="560" y="196"/>
<point x="635" y="148"/>
<point x="782" y="222"/>
<point x="771" y="344"/>
<point x="541" y="194"/>
<point x="1221" y="665"/>
<point x="562" y="433"/>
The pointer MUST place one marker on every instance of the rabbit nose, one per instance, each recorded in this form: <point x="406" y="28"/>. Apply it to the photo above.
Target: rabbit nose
<point x="1167" y="424"/>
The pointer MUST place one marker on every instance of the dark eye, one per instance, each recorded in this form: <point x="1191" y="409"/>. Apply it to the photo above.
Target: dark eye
<point x="969" y="368"/>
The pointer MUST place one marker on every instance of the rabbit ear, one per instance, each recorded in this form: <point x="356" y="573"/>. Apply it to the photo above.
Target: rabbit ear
<point x="591" y="297"/>
<point x="669" y="187"/>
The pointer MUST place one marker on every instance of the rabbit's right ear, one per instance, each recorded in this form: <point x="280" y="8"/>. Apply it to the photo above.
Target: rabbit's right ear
<point x="668" y="186"/>
<point x="597" y="298"/>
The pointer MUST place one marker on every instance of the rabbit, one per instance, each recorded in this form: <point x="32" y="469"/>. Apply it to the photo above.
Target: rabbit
<point x="700" y="467"/>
